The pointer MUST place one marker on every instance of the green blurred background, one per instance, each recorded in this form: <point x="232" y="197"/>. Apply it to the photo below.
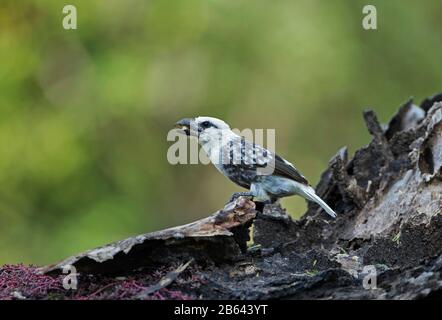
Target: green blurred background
<point x="84" y="113"/>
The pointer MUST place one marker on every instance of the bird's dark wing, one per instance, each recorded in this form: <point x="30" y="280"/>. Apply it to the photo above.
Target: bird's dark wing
<point x="263" y="158"/>
<point x="287" y="170"/>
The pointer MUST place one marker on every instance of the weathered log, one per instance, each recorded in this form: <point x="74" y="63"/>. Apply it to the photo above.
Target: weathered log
<point x="217" y="238"/>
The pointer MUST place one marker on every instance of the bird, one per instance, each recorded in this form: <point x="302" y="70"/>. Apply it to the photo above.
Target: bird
<point x="266" y="175"/>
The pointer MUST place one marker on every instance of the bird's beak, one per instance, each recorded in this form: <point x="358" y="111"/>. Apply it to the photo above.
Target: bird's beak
<point x="184" y="125"/>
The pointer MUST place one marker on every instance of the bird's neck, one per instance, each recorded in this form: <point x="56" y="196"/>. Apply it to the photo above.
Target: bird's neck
<point x="214" y="144"/>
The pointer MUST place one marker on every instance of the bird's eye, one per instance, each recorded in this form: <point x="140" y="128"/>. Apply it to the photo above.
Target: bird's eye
<point x="206" y="124"/>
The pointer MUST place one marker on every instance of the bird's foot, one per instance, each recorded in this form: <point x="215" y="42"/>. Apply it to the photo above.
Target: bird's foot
<point x="236" y="195"/>
<point x="261" y="204"/>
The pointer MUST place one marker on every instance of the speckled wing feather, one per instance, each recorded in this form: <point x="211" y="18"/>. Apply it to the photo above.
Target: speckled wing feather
<point x="250" y="156"/>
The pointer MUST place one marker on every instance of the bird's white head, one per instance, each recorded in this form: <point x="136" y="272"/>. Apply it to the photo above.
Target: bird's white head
<point x="207" y="129"/>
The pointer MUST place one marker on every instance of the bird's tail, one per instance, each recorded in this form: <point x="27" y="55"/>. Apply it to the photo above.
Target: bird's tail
<point x="309" y="193"/>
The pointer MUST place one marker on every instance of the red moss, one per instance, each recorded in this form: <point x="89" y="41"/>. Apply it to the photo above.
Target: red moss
<point x="19" y="281"/>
